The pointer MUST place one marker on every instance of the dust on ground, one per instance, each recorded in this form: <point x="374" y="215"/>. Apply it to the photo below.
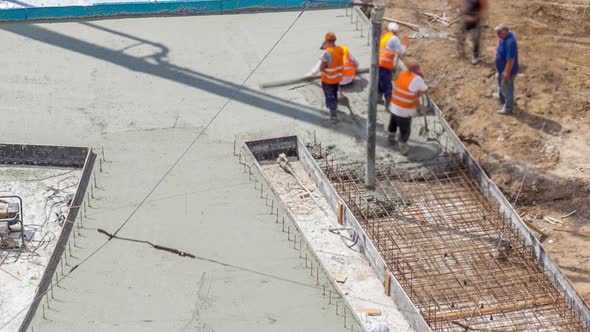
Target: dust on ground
<point x="545" y="142"/>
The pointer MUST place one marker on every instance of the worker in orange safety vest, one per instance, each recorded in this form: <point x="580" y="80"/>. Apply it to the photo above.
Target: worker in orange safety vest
<point x="390" y="46"/>
<point x="350" y="65"/>
<point x="405" y="100"/>
<point x="331" y="72"/>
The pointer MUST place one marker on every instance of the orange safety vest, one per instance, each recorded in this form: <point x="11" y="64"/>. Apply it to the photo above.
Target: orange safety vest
<point x="333" y="73"/>
<point x="401" y="95"/>
<point x="386" y="55"/>
<point x="349" y="68"/>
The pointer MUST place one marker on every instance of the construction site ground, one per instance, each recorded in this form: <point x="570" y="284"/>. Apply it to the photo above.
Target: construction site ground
<point x="546" y="141"/>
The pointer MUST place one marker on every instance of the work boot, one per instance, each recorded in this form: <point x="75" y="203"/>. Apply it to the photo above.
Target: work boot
<point x="391" y="138"/>
<point x="333" y="116"/>
<point x="404" y="148"/>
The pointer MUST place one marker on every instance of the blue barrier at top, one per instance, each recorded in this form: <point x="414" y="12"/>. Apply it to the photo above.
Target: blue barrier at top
<point x="185" y="7"/>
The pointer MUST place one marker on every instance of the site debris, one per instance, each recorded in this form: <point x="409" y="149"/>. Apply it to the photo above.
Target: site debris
<point x="46" y="195"/>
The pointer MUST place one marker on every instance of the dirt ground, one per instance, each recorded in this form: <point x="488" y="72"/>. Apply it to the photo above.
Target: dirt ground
<point x="546" y="141"/>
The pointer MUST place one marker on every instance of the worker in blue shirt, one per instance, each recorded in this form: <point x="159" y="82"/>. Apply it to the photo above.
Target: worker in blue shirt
<point x="507" y="67"/>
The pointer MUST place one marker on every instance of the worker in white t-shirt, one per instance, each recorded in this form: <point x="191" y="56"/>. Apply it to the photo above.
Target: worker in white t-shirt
<point x="405" y="100"/>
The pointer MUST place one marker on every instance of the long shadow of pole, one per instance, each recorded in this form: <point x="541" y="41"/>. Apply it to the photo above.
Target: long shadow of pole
<point x="163" y="69"/>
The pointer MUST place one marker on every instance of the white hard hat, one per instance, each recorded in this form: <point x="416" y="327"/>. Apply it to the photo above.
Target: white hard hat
<point x="393" y="27"/>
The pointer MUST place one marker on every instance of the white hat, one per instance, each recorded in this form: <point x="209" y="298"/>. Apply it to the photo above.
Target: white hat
<point x="501" y="27"/>
<point x="393" y="27"/>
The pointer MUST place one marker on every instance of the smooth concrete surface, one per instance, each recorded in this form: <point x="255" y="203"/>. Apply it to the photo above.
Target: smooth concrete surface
<point x="144" y="89"/>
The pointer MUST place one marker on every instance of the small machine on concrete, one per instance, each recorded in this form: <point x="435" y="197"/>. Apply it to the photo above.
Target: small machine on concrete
<point x="11" y="214"/>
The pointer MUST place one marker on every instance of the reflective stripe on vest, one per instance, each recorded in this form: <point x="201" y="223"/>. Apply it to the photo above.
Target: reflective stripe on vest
<point x="386" y="55"/>
<point x="401" y="95"/>
<point x="333" y="74"/>
<point x="349" y="68"/>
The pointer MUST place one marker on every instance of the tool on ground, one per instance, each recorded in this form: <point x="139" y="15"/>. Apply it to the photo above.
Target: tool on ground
<point x="354" y="239"/>
<point x="11" y="213"/>
<point x="286" y="166"/>
<point x="172" y="250"/>
<point x="425" y="107"/>
<point x="301" y="80"/>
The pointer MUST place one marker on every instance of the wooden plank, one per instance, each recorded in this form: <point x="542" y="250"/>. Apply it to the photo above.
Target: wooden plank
<point x="535" y="228"/>
<point x="302" y="80"/>
<point x="369" y="311"/>
<point x="491" y="310"/>
<point x="409" y="25"/>
<point x="387" y="282"/>
<point x="340" y="212"/>
<point x="340" y="277"/>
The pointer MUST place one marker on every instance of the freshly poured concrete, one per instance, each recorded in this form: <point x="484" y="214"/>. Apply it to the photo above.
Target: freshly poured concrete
<point x="144" y="89"/>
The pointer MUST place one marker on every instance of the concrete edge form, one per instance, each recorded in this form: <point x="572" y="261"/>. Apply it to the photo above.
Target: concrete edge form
<point x="79" y="157"/>
<point x="43" y="155"/>
<point x="493" y="193"/>
<point x="185" y="7"/>
<point x="398" y="294"/>
<point x="269" y="149"/>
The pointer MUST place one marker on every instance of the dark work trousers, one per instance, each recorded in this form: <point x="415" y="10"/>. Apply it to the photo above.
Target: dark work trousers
<point x="506" y="93"/>
<point x="385" y="83"/>
<point x="404" y="125"/>
<point x="331" y="94"/>
<point x="473" y="28"/>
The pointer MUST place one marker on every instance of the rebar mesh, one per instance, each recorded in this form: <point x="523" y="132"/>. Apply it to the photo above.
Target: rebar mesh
<point x="461" y="261"/>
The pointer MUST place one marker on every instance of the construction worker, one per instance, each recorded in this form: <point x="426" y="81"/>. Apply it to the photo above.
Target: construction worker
<point x="389" y="47"/>
<point x="472" y="14"/>
<point x="350" y="65"/>
<point x="507" y="66"/>
<point x="331" y="69"/>
<point x="405" y="100"/>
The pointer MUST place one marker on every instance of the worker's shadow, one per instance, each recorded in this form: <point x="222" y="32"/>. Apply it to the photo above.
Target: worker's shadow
<point x="358" y="85"/>
<point x="538" y="122"/>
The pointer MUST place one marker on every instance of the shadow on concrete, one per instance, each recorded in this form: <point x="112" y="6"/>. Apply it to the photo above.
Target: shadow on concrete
<point x="157" y="65"/>
<point x="358" y="85"/>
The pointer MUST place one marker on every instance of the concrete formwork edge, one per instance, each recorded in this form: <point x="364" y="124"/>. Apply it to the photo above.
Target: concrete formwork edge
<point x="398" y="294"/>
<point x="43" y="155"/>
<point x="494" y="194"/>
<point x="269" y="149"/>
<point x="80" y="157"/>
<point x="187" y="7"/>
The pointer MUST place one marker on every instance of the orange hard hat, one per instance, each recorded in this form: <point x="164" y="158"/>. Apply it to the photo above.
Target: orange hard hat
<point x="330" y="36"/>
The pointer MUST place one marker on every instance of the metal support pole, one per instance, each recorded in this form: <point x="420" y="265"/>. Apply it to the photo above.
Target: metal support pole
<point x="376" y="18"/>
